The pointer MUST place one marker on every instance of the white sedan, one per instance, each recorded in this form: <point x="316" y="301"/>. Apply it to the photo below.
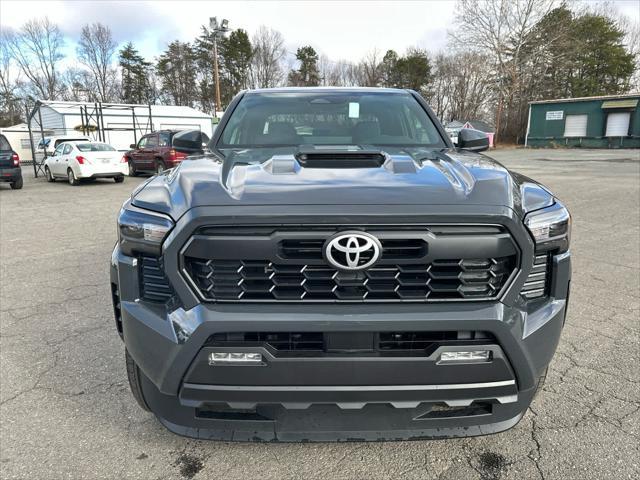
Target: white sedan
<point x="78" y="160"/>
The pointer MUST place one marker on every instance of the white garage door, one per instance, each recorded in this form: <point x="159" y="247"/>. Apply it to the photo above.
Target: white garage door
<point x="618" y="124"/>
<point x="575" y="126"/>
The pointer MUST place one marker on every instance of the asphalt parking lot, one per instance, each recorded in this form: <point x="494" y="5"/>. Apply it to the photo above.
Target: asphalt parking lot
<point x="66" y="410"/>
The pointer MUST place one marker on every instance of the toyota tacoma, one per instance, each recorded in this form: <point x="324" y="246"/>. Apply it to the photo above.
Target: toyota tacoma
<point x="334" y="268"/>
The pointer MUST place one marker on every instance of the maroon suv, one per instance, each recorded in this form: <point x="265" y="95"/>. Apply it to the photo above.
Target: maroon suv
<point x="157" y="151"/>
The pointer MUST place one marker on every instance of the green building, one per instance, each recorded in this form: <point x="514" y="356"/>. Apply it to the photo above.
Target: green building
<point x="590" y="122"/>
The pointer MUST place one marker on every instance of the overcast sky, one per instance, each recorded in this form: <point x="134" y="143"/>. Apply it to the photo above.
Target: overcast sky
<point x="340" y="29"/>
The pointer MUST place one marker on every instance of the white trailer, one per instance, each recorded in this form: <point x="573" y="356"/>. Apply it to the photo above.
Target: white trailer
<point x="18" y="136"/>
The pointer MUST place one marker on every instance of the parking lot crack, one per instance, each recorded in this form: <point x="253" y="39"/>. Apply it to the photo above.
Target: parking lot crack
<point x="535" y="455"/>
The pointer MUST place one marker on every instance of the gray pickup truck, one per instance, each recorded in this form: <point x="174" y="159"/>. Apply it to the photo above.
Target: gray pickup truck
<point x="333" y="268"/>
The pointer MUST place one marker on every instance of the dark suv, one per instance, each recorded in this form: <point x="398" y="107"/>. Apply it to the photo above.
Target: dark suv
<point x="158" y="151"/>
<point x="335" y="269"/>
<point x="10" y="170"/>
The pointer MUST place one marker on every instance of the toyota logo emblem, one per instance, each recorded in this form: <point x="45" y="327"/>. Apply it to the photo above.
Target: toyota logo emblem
<point x="352" y="250"/>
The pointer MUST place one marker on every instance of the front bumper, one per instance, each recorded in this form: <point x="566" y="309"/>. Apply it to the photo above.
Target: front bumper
<point x="357" y="397"/>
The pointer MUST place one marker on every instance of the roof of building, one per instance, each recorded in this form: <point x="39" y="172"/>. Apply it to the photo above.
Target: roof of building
<point x="19" y="127"/>
<point x="73" y="108"/>
<point x="454" y="124"/>
<point x="586" y="99"/>
<point x="481" y="125"/>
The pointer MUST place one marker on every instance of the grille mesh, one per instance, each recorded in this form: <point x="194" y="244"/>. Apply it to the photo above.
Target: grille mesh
<point x="450" y="279"/>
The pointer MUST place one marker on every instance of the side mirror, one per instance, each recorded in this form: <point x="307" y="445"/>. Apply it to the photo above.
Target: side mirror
<point x="472" y="140"/>
<point x="132" y="146"/>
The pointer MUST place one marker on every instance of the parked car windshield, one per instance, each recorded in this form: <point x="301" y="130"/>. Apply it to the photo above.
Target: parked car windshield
<point x="4" y="143"/>
<point x="277" y="119"/>
<point x="95" y="147"/>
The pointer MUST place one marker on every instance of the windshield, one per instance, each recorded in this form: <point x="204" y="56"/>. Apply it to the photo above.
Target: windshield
<point x="95" y="147"/>
<point x="278" y="119"/>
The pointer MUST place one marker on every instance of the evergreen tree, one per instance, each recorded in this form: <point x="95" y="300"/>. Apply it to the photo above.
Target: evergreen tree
<point x="234" y="66"/>
<point x="235" y="52"/>
<point x="177" y="71"/>
<point x="135" y="73"/>
<point x="413" y="70"/>
<point x="389" y="66"/>
<point x="308" y="75"/>
<point x="602" y="65"/>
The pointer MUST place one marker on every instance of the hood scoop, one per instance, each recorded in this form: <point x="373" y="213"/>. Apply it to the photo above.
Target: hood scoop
<point x="341" y="158"/>
<point x="291" y="165"/>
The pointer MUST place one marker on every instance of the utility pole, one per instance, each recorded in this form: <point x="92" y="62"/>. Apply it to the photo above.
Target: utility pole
<point x="218" y="29"/>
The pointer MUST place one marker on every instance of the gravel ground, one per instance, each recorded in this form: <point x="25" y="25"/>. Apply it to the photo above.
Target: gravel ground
<point x="66" y="410"/>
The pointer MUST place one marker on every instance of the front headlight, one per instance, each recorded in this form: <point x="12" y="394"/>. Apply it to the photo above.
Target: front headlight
<point x="142" y="231"/>
<point x="550" y="227"/>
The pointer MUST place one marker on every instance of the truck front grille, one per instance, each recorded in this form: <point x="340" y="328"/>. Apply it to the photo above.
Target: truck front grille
<point x="286" y="263"/>
<point x="441" y="280"/>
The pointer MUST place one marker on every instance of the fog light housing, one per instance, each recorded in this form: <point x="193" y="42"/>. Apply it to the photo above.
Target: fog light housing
<point x="235" y="358"/>
<point x="465" y="356"/>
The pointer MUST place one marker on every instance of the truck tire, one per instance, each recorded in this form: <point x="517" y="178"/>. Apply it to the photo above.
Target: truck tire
<point x="17" y="184"/>
<point x="160" y="166"/>
<point x="133" y="374"/>
<point x="133" y="172"/>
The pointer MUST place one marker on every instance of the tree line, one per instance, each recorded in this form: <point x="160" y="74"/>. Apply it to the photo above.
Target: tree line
<point x="501" y="54"/>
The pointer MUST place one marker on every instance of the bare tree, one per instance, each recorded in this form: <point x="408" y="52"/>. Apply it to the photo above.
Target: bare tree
<point x="632" y="38"/>
<point x="460" y="86"/>
<point x="338" y="73"/>
<point x="501" y="28"/>
<point x="370" y="71"/>
<point x="268" y="55"/>
<point x="441" y="88"/>
<point x="10" y="105"/>
<point x="96" y="50"/>
<point x="36" y="49"/>
<point x="79" y="86"/>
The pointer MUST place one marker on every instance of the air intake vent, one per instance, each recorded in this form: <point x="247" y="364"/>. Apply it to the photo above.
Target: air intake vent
<point x="341" y="159"/>
<point x="154" y="283"/>
<point x="537" y="282"/>
<point x="281" y="341"/>
<point x="416" y="343"/>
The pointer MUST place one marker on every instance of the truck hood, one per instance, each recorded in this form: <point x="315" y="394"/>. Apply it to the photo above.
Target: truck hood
<point x="405" y="177"/>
